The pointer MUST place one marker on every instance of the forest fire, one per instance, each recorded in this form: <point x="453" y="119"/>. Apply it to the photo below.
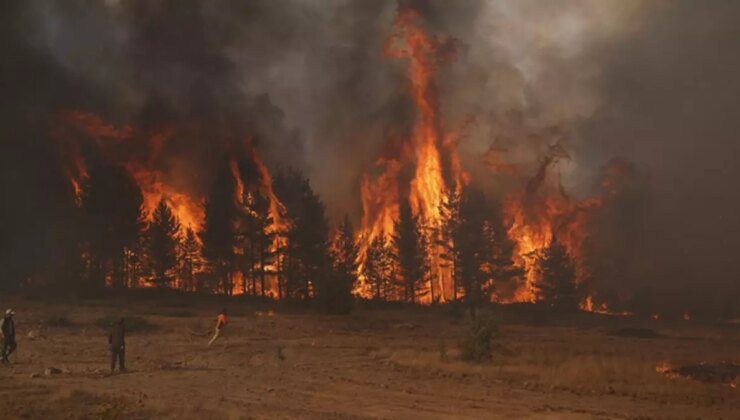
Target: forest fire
<point x="79" y="133"/>
<point x="377" y="209"/>
<point x="534" y="215"/>
<point x="430" y="150"/>
<point x="419" y="169"/>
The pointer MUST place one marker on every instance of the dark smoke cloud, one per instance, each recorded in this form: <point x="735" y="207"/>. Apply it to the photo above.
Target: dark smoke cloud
<point x="672" y="95"/>
<point x="653" y="82"/>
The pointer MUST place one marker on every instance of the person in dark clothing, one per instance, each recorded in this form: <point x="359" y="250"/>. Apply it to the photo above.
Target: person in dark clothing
<point x="7" y="334"/>
<point x="116" y="339"/>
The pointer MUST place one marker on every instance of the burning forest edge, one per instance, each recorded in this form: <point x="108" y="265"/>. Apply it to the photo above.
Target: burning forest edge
<point x="428" y="233"/>
<point x="375" y="209"/>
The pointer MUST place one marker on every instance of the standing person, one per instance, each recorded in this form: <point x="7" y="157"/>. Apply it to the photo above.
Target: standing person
<point x="7" y="333"/>
<point x="221" y="321"/>
<point x="117" y="342"/>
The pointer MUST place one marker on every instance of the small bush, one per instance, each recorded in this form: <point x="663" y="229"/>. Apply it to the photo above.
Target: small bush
<point x="58" y="320"/>
<point x="476" y="344"/>
<point x="132" y="323"/>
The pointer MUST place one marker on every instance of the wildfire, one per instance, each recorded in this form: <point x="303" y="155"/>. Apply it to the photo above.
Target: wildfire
<point x="422" y="168"/>
<point x="263" y="185"/>
<point x="666" y="368"/>
<point x="430" y="150"/>
<point x="74" y="130"/>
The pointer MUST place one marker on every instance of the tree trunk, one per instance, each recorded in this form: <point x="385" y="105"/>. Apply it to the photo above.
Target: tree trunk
<point x="431" y="288"/>
<point x="262" y="273"/>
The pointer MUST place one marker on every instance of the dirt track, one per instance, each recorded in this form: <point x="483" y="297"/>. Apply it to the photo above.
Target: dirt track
<point x="372" y="364"/>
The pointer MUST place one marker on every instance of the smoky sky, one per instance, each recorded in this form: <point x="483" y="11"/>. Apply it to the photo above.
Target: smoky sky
<point x="652" y="82"/>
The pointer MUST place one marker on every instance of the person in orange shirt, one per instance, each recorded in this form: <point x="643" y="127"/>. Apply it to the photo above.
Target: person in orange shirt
<point x="221" y="321"/>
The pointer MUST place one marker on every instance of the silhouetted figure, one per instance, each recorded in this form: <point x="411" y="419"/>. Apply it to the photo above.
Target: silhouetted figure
<point x="221" y="321"/>
<point x="7" y="330"/>
<point x="116" y="339"/>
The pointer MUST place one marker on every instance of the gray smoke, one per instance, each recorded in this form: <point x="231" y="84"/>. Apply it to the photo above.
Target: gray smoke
<point x="652" y="82"/>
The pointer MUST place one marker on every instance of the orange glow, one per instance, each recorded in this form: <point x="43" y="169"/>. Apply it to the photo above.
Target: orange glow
<point x="276" y="212"/>
<point x="72" y="127"/>
<point x="430" y="150"/>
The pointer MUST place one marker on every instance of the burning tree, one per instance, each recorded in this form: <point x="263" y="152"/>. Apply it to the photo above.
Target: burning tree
<point x="256" y="240"/>
<point x="429" y="153"/>
<point x="112" y="210"/>
<point x="218" y="231"/>
<point x="163" y="240"/>
<point x="262" y="237"/>
<point x="341" y="282"/>
<point x="378" y="268"/>
<point x="410" y="253"/>
<point x="556" y="285"/>
<point x="467" y="244"/>
<point x="191" y="261"/>
<point x="500" y="265"/>
<point x="305" y="252"/>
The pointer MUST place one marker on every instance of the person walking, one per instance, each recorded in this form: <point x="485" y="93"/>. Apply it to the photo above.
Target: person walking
<point x="7" y="334"/>
<point x="221" y="321"/>
<point x="116" y="340"/>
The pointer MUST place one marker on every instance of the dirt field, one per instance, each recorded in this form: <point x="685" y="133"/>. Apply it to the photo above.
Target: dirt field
<point x="278" y="362"/>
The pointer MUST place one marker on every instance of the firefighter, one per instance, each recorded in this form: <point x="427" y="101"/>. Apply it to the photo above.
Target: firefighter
<point x="221" y="321"/>
<point x="117" y="342"/>
<point x="7" y="334"/>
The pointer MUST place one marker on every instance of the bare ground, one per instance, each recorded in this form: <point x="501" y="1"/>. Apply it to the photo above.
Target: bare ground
<point x="376" y="363"/>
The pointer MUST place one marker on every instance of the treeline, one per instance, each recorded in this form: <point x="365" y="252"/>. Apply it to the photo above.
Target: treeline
<point x="474" y="247"/>
<point x="242" y="248"/>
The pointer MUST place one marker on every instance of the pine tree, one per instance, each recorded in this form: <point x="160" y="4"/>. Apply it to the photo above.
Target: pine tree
<point x="410" y="252"/>
<point x="338" y="290"/>
<point x="190" y="261"/>
<point x="378" y="268"/>
<point x="556" y="285"/>
<point x="501" y="267"/>
<point x="137" y="266"/>
<point x="450" y="211"/>
<point x="263" y="236"/>
<point x="112" y="206"/>
<point x="305" y="257"/>
<point x="471" y="247"/>
<point x="218" y="236"/>
<point x="163" y="240"/>
<point x="245" y="241"/>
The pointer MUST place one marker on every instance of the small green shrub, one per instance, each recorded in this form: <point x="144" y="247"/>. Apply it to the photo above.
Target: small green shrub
<point x="481" y="330"/>
<point x="132" y="323"/>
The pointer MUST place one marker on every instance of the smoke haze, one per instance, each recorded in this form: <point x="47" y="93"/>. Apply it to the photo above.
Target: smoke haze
<point x="651" y="82"/>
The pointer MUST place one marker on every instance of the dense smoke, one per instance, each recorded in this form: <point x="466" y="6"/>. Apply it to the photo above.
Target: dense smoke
<point x="652" y="83"/>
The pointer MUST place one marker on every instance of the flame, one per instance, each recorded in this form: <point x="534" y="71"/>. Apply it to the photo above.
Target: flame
<point x="533" y="215"/>
<point x="430" y="150"/>
<point x="276" y="212"/>
<point x="73" y="129"/>
<point x="542" y="209"/>
<point x="666" y="368"/>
